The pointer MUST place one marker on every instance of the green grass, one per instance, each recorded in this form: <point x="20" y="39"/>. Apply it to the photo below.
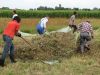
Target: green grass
<point x="1" y="31"/>
<point x="54" y="27"/>
<point x="79" y="65"/>
<point x="96" y="27"/>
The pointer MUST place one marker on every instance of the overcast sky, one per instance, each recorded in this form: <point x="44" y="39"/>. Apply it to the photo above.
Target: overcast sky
<point x="27" y="4"/>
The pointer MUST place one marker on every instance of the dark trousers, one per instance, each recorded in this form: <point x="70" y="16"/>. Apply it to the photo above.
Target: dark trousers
<point x="84" y="38"/>
<point x="8" y="47"/>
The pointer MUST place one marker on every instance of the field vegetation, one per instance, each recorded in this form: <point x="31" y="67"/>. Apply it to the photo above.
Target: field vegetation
<point x="51" y="13"/>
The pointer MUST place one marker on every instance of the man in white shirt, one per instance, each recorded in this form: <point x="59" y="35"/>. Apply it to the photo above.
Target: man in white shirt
<point x="41" y="27"/>
<point x="72" y="22"/>
<point x="14" y="14"/>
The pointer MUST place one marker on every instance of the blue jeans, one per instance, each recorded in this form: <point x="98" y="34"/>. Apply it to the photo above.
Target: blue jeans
<point x="40" y="30"/>
<point x="8" y="47"/>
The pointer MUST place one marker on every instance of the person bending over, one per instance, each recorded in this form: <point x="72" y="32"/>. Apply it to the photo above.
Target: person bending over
<point x="86" y="33"/>
<point x="41" y="27"/>
<point x="8" y="35"/>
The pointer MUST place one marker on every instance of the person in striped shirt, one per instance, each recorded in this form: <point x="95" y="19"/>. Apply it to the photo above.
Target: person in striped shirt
<point x="86" y="33"/>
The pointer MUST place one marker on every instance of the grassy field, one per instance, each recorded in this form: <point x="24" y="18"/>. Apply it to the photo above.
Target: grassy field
<point x="76" y="64"/>
<point x="29" y="25"/>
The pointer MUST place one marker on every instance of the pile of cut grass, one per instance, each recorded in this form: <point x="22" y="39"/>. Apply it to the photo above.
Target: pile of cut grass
<point x="55" y="46"/>
<point x="48" y="47"/>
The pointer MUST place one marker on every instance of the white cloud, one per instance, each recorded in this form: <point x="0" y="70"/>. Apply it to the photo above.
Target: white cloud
<point x="26" y="4"/>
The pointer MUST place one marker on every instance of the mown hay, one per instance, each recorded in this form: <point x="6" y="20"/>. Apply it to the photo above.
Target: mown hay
<point x="53" y="46"/>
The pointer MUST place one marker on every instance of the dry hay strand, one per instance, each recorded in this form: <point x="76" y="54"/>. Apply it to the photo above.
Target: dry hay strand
<point x="53" y="46"/>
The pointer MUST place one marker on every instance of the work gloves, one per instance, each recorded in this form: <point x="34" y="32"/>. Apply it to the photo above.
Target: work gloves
<point x="18" y="34"/>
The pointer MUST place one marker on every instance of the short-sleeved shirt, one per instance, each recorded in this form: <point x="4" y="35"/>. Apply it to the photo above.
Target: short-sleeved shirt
<point x="72" y="20"/>
<point x="85" y="27"/>
<point x="11" y="29"/>
<point x="43" y="22"/>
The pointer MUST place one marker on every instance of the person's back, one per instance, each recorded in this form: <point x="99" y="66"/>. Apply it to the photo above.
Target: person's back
<point x="85" y="27"/>
<point x="43" y="22"/>
<point x="11" y="28"/>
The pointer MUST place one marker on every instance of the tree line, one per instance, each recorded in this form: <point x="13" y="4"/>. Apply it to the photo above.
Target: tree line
<point x="56" y="8"/>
